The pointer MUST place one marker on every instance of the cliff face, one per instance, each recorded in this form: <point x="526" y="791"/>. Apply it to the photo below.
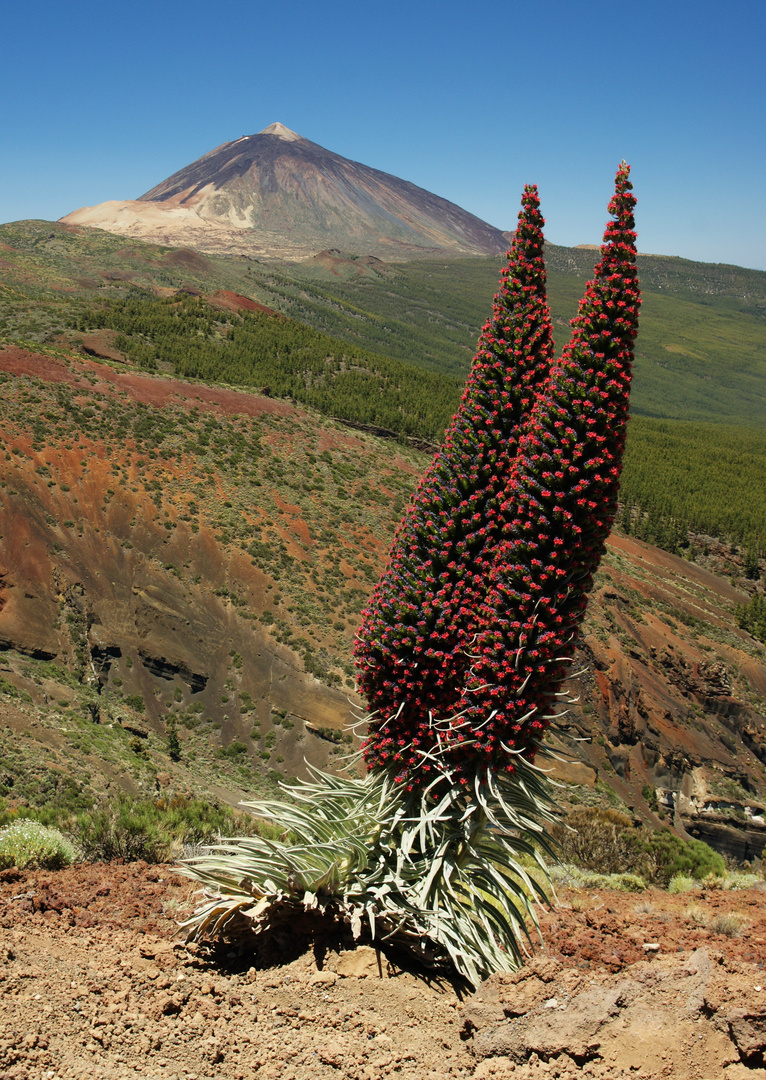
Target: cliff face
<point x="276" y="193"/>
<point x="672" y="698"/>
<point x="176" y="550"/>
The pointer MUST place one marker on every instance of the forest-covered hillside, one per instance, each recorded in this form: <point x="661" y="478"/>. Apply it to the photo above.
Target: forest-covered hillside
<point x="679" y="476"/>
<point x="388" y="346"/>
<point x="701" y="353"/>
<point x="148" y="511"/>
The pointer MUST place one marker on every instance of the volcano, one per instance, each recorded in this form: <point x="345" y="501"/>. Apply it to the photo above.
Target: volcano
<point x="278" y="194"/>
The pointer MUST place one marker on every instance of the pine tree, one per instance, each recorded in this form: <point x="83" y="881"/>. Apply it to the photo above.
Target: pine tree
<point x="172" y="740"/>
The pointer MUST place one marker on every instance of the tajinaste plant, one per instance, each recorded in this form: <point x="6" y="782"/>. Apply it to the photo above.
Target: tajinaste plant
<point x="548" y="532"/>
<point x="461" y="649"/>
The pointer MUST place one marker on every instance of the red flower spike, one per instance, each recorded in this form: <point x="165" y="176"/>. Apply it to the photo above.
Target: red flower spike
<point x="475" y="624"/>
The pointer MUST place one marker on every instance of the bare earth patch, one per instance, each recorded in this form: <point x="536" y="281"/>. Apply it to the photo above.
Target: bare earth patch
<point x="96" y="983"/>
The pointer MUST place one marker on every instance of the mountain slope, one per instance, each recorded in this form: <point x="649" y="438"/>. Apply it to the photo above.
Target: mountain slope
<point x="276" y="193"/>
<point x="175" y="552"/>
<point x="701" y="352"/>
<point x="174" y="310"/>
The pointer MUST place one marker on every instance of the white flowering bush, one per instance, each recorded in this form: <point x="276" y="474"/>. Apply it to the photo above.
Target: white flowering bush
<point x="28" y="844"/>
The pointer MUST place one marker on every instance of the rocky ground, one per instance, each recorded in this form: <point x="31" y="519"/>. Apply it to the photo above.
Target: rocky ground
<point x="96" y="983"/>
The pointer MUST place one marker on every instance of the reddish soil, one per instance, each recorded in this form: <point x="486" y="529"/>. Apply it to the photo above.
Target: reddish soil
<point x="149" y="391"/>
<point x="97" y="983"/>
<point x="231" y="301"/>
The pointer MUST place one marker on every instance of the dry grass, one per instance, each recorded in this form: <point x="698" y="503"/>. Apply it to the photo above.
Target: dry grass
<point x="697" y="915"/>
<point x="582" y="901"/>
<point x="730" y="924"/>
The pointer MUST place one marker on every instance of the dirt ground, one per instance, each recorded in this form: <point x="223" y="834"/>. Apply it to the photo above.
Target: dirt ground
<point x="95" y="982"/>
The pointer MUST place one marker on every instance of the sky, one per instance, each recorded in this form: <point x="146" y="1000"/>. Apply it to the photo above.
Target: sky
<point x="468" y="100"/>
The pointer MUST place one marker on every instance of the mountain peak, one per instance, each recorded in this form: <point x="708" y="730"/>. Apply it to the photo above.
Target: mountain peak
<point x="287" y="197"/>
<point x="281" y="132"/>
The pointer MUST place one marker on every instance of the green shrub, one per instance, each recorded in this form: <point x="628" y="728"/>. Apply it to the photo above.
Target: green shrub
<point x="682" y="883"/>
<point x="126" y="829"/>
<point x="28" y="844"/>
<point x="664" y="855"/>
<point x="172" y="740"/>
<point x="155" y="830"/>
<point x="607" y="842"/>
<point x="234" y="751"/>
<point x="650" y="795"/>
<point x="329" y="734"/>
<point x="8" y="688"/>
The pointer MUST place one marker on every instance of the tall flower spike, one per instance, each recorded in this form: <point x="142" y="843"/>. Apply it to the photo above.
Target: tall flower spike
<point x="412" y="647"/>
<point x="564" y="488"/>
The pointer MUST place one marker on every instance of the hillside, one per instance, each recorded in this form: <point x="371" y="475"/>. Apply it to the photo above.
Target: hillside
<point x="97" y="983"/>
<point x="81" y="290"/>
<point x="701" y="353"/>
<point x="180" y="555"/>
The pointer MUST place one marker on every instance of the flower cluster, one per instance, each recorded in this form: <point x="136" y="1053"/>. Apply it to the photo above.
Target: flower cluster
<point x="461" y="650"/>
<point x="411" y="649"/>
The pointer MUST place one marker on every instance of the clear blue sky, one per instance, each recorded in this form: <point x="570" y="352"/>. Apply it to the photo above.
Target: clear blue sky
<point x="468" y="99"/>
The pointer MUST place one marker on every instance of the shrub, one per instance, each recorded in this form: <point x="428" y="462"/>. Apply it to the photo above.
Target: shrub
<point x="233" y="752"/>
<point x="152" y="829"/>
<point x="127" y="829"/>
<point x="574" y="877"/>
<point x="740" y="879"/>
<point x="29" y="845"/>
<point x="696" y="914"/>
<point x="595" y="839"/>
<point x="730" y="924"/>
<point x="619" y="882"/>
<point x="172" y="740"/>
<point x="664" y="855"/>
<point x="682" y="883"/>
<point x="607" y="842"/>
<point x="650" y="795"/>
<point x="197" y="821"/>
